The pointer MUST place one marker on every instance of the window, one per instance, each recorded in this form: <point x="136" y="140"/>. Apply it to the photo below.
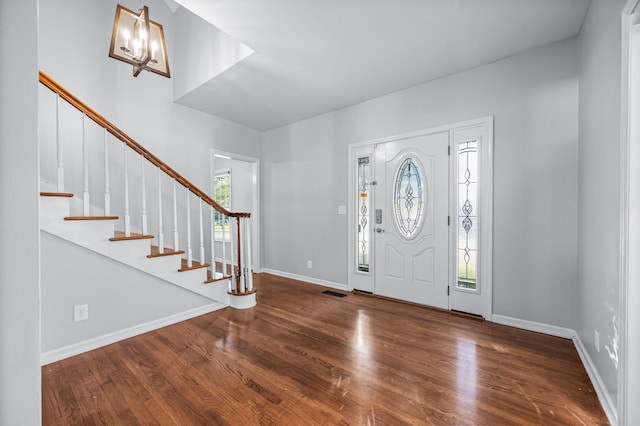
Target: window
<point x="467" y="214"/>
<point x="364" y="178"/>
<point x="222" y="195"/>
<point x="408" y="197"/>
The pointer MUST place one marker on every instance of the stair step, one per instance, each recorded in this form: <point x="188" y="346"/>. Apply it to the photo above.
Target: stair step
<point x="215" y="280"/>
<point x="91" y="218"/>
<point x="194" y="265"/>
<point x="56" y="194"/>
<point x="218" y="277"/>
<point x="155" y="252"/>
<point x="119" y="236"/>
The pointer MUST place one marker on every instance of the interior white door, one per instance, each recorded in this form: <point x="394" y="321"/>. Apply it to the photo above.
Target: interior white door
<point x="411" y="219"/>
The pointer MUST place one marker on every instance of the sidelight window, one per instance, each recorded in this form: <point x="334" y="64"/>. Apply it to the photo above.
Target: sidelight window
<point x="364" y="196"/>
<point x="467" y="214"/>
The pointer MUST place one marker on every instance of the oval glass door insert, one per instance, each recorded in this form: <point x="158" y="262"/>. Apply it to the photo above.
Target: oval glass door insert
<point x="409" y="197"/>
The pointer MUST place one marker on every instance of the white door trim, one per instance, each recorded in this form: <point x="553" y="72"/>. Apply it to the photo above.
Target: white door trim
<point x="629" y="344"/>
<point x="486" y="197"/>
<point x="255" y="202"/>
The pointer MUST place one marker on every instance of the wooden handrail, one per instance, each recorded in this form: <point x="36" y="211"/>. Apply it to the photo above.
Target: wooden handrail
<point x="131" y="143"/>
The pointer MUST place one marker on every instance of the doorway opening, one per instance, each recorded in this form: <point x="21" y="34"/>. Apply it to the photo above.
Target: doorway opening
<point x="234" y="182"/>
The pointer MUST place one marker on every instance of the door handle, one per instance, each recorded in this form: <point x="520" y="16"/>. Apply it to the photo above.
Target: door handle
<point x="379" y="230"/>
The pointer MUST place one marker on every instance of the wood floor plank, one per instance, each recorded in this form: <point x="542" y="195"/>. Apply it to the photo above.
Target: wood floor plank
<point x="92" y="401"/>
<point x="52" y="379"/>
<point x="303" y="357"/>
<point x="116" y="382"/>
<point x="58" y="397"/>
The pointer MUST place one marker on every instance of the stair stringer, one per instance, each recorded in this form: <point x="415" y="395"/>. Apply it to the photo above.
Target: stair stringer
<point x="94" y="235"/>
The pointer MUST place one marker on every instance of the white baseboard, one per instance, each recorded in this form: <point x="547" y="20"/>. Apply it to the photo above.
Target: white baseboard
<point x="306" y="279"/>
<point x="608" y="405"/>
<point x="538" y="327"/>
<point x="107" y="339"/>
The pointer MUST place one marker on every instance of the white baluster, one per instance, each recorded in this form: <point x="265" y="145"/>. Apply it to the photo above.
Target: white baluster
<point x="160" y="233"/>
<point x="60" y="169"/>
<point x="202" y="259"/>
<point x="189" y="252"/>
<point x="241" y="255"/>
<point x="86" y="203"/>
<point x="143" y="210"/>
<point x="212" y="187"/>
<point x="176" y="240"/>
<point x="224" y="247"/>
<point x="107" y="190"/>
<point x="233" y="267"/>
<point x="249" y="269"/>
<point x="127" y="217"/>
<point x="213" y="243"/>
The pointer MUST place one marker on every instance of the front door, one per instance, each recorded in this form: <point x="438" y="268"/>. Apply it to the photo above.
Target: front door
<point x="411" y="219"/>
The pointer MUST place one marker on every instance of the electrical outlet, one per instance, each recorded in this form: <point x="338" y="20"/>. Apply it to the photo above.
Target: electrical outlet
<point x="596" y="338"/>
<point x="80" y="313"/>
<point x="309" y="264"/>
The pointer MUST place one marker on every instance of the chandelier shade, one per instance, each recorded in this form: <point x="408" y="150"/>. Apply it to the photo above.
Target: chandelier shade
<point x="139" y="41"/>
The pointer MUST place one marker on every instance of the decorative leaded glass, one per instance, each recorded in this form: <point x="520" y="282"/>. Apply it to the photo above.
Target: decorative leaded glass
<point x="222" y="195"/>
<point x="467" y="214"/>
<point x="364" y="171"/>
<point x="408" y="197"/>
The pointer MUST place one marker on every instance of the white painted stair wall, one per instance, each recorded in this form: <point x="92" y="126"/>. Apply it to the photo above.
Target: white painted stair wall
<point x="94" y="235"/>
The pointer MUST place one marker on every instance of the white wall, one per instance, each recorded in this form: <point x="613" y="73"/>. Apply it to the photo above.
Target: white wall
<point x="599" y="177"/>
<point x="20" y="400"/>
<point x="119" y="297"/>
<point x="533" y="97"/>
<point x="241" y="186"/>
<point x="202" y="52"/>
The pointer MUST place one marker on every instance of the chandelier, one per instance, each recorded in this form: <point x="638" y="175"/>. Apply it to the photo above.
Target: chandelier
<point x="139" y="41"/>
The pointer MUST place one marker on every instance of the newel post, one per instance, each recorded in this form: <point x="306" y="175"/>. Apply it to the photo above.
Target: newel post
<point x="243" y="296"/>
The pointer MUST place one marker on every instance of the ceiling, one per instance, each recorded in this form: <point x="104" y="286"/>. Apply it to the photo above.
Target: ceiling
<point x="315" y="56"/>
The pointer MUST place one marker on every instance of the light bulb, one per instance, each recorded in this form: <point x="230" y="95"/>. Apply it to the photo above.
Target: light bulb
<point x="154" y="47"/>
<point x="125" y="34"/>
<point x="136" y="48"/>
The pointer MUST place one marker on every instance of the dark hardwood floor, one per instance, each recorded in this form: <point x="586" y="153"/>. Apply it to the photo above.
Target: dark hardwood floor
<point x="302" y="357"/>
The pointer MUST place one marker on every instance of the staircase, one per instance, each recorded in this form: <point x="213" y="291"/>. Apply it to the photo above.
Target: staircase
<point x="221" y="267"/>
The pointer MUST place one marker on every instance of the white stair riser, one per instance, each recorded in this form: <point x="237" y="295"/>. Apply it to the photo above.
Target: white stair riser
<point x="168" y="263"/>
<point x="52" y="209"/>
<point x="82" y="232"/>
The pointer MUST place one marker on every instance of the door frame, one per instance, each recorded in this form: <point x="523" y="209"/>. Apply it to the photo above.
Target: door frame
<point x="255" y="199"/>
<point x="629" y="296"/>
<point x="485" y="261"/>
